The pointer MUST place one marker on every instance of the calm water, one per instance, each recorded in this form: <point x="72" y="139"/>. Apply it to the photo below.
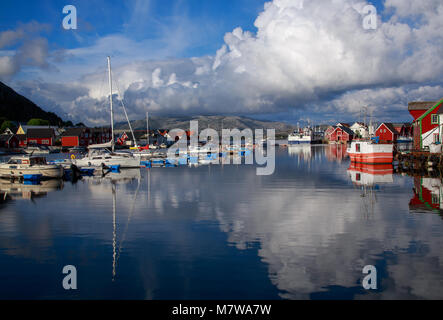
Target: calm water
<point x="222" y="232"/>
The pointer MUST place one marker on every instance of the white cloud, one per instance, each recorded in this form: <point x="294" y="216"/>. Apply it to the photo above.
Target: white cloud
<point x="303" y="54"/>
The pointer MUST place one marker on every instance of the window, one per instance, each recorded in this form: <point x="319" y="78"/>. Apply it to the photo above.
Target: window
<point x="357" y="147"/>
<point x="357" y="177"/>
<point x="435" y="198"/>
<point x="436" y="138"/>
<point x="434" y="119"/>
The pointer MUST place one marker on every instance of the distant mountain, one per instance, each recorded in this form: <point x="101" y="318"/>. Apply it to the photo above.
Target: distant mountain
<point x="16" y="107"/>
<point x="214" y="122"/>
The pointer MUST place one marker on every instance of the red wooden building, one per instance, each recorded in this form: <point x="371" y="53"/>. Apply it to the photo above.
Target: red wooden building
<point x="426" y="122"/>
<point x="341" y="134"/>
<point x="44" y="137"/>
<point x="386" y="132"/>
<point x="83" y="137"/>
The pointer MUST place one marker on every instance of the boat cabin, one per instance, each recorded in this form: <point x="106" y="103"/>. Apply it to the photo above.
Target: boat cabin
<point x="28" y="160"/>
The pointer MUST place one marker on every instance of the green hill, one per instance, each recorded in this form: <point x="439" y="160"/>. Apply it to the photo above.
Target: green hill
<point x="16" y="107"/>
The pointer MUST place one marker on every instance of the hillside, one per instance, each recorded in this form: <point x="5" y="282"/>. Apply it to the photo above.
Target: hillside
<point x="16" y="107"/>
<point x="214" y="122"/>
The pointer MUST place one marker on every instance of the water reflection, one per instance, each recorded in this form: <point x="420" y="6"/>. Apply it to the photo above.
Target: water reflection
<point x="427" y="195"/>
<point x="29" y="189"/>
<point x="223" y="232"/>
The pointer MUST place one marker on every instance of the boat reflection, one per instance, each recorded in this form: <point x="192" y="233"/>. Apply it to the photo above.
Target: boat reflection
<point x="370" y="175"/>
<point x="302" y="151"/>
<point x="29" y="189"/>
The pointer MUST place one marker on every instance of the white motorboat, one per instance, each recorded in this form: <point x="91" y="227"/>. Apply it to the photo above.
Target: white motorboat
<point x="37" y="150"/>
<point x="19" y="166"/>
<point x="99" y="157"/>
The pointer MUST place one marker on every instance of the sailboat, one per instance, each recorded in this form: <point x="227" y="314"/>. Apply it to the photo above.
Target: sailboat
<point x="99" y="154"/>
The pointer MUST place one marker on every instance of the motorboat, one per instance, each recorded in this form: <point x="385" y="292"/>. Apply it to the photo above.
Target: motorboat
<point x="97" y="157"/>
<point x="37" y="149"/>
<point x="20" y="166"/>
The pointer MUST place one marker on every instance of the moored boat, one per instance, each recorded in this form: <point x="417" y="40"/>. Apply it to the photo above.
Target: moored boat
<point x="370" y="152"/>
<point x="20" y="166"/>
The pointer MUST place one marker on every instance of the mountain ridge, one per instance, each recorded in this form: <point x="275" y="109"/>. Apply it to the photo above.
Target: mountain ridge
<point x="214" y="122"/>
<point x="15" y="107"/>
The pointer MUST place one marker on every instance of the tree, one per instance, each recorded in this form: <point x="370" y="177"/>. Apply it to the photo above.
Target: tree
<point x="7" y="124"/>
<point x="80" y="124"/>
<point x="38" y="122"/>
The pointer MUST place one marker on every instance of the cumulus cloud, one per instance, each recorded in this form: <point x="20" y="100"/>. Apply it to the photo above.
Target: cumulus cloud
<point x="30" y="49"/>
<point x="304" y="53"/>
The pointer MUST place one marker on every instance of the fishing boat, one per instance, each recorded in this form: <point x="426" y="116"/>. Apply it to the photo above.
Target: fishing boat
<point x="104" y="154"/>
<point x="371" y="152"/>
<point x="21" y="166"/>
<point x="307" y="135"/>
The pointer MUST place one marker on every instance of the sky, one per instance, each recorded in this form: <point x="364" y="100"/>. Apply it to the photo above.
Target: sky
<point x="287" y="60"/>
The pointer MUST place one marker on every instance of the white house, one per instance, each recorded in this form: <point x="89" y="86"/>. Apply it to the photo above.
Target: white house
<point x="360" y="129"/>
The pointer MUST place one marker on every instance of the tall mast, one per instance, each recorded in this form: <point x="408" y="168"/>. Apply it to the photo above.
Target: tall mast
<point x="110" y="101"/>
<point x="147" y="128"/>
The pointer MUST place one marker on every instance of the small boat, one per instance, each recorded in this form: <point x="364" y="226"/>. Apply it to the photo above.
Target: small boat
<point x="371" y="152"/>
<point x="37" y="149"/>
<point x="22" y="166"/>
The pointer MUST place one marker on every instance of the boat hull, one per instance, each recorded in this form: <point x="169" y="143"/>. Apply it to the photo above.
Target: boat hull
<point x="133" y="162"/>
<point x="366" y="152"/>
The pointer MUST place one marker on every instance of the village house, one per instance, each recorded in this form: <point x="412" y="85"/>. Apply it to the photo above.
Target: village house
<point x="41" y="136"/>
<point x="386" y="132"/>
<point x="341" y="135"/>
<point x="427" y="123"/>
<point x="360" y="129"/>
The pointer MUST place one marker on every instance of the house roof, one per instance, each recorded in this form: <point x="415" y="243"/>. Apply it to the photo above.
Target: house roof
<point x="40" y="133"/>
<point x="421" y="105"/>
<point x="73" y="132"/>
<point x="345" y="129"/>
<point x="26" y="127"/>
<point x="401" y="124"/>
<point x="388" y="125"/>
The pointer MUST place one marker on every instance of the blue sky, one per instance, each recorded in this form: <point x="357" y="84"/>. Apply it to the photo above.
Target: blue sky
<point x="292" y="60"/>
<point x="209" y="20"/>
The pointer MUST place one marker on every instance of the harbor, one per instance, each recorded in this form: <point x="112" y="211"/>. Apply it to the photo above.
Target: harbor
<point x="225" y="227"/>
